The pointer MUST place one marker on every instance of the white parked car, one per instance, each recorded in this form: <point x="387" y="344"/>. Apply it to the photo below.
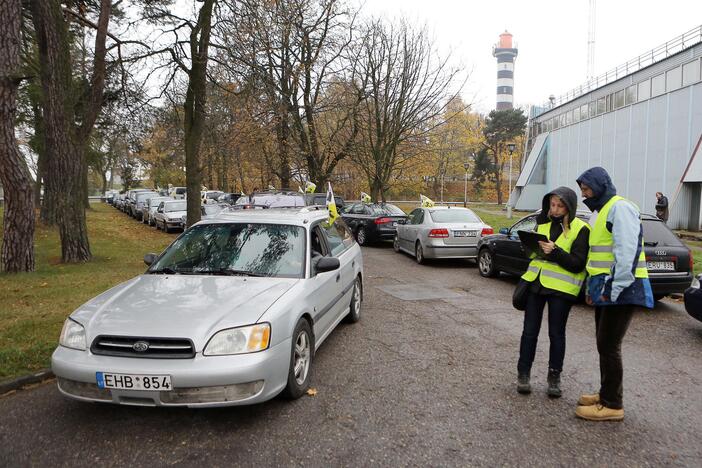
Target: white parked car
<point x="150" y="208"/>
<point x="168" y="214"/>
<point x="230" y="313"/>
<point x="209" y="197"/>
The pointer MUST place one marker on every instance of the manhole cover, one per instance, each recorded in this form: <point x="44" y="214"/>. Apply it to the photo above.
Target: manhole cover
<point x="418" y="292"/>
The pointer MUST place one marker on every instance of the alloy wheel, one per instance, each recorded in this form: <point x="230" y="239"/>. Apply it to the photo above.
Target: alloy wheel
<point x="302" y="357"/>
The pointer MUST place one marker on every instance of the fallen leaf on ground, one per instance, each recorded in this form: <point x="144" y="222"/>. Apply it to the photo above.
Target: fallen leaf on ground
<point x="312" y="391"/>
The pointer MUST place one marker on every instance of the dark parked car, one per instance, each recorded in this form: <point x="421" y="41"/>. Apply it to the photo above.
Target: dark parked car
<point x="693" y="298"/>
<point x="669" y="261"/>
<point x="372" y="222"/>
<point x="321" y="199"/>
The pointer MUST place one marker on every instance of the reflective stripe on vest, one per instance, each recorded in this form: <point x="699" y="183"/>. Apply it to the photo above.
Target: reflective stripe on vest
<point x="600" y="258"/>
<point x="551" y="275"/>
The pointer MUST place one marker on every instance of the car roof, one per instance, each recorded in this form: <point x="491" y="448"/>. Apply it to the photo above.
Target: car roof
<point x="444" y="207"/>
<point x="299" y="216"/>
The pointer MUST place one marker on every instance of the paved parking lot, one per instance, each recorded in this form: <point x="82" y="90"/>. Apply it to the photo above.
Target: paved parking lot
<point x="426" y="378"/>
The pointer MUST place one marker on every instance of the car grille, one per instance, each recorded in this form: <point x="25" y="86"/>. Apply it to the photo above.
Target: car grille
<point x="143" y="347"/>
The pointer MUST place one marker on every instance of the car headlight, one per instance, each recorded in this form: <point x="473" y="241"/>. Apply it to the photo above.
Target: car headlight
<point x="72" y="335"/>
<point x="240" y="340"/>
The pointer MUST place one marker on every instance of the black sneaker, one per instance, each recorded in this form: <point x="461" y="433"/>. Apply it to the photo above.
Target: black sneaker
<point x="523" y="385"/>
<point x="554" y="383"/>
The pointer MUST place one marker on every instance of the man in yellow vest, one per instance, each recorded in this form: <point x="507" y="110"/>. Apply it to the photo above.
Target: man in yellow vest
<point x="618" y="283"/>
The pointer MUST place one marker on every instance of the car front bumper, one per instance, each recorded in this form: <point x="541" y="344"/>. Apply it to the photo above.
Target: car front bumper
<point x="203" y="381"/>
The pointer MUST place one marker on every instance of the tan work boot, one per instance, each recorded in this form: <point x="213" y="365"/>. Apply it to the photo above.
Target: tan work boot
<point x="598" y="412"/>
<point x="589" y="399"/>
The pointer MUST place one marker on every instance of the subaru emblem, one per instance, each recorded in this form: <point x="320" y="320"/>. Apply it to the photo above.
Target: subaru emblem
<point x="140" y="346"/>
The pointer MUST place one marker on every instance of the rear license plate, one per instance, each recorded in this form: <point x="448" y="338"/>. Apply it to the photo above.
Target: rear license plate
<point x="660" y="266"/>
<point x="133" y="381"/>
<point x="465" y="233"/>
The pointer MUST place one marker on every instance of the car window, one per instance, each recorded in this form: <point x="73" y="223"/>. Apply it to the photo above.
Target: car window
<point x="175" y="206"/>
<point x="417" y="216"/>
<point x="386" y="209"/>
<point x="262" y="249"/>
<point x="317" y="245"/>
<point x="358" y="208"/>
<point x="657" y="232"/>
<point x="526" y="224"/>
<point x="338" y="237"/>
<point x="453" y="216"/>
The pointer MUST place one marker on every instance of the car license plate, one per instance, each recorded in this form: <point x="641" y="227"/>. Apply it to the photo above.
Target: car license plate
<point x="660" y="266"/>
<point x="465" y="233"/>
<point x="133" y="381"/>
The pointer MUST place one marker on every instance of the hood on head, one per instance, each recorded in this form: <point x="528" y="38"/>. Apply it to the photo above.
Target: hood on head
<point x="601" y="184"/>
<point x="569" y="197"/>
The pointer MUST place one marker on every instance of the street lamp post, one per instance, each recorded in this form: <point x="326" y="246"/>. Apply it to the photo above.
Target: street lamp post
<point x="510" y="147"/>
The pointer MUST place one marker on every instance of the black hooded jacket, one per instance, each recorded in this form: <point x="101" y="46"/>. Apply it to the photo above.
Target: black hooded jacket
<point x="575" y="260"/>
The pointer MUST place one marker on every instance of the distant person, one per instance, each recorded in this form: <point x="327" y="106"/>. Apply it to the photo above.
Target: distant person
<point x="618" y="282"/>
<point x="662" y="206"/>
<point x="556" y="274"/>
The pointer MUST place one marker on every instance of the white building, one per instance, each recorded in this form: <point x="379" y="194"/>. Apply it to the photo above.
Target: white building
<point x="642" y="122"/>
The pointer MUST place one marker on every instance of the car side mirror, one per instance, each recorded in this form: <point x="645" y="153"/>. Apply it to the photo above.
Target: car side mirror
<point x="327" y="264"/>
<point x="504" y="231"/>
<point x="150" y="258"/>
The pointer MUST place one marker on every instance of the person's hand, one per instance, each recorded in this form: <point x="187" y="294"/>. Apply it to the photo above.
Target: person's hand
<point x="588" y="300"/>
<point x="547" y="247"/>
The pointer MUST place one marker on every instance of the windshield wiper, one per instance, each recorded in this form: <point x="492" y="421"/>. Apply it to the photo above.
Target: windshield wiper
<point x="651" y="244"/>
<point x="164" y="271"/>
<point x="231" y="272"/>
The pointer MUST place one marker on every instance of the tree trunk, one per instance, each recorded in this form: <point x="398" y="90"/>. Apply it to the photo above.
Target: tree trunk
<point x="18" y="228"/>
<point x="195" y="100"/>
<point x="64" y="168"/>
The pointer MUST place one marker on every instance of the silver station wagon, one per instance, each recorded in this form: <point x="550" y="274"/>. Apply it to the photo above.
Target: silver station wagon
<point x="230" y="313"/>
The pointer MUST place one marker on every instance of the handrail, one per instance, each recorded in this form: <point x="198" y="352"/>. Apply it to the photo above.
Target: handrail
<point x="679" y="43"/>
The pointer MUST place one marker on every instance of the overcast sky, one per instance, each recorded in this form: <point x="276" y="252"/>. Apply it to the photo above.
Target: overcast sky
<point x="551" y="36"/>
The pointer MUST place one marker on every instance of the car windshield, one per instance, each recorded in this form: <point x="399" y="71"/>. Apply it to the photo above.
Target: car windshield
<point x="245" y="249"/>
<point x="454" y="216"/>
<point x="273" y="200"/>
<point x="145" y="196"/>
<point x="174" y="206"/>
<point x="656" y="233"/>
<point x="385" y="209"/>
<point x="210" y="209"/>
<point x="213" y="195"/>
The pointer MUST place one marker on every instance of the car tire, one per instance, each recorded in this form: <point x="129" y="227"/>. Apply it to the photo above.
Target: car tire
<point x="356" y="300"/>
<point x="419" y="253"/>
<point x="301" y="353"/>
<point x="361" y="236"/>
<point x="158" y="228"/>
<point x="166" y="229"/>
<point x="486" y="265"/>
<point x="396" y="244"/>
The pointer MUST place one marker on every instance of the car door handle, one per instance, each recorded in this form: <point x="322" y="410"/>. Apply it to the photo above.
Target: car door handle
<point x="338" y="277"/>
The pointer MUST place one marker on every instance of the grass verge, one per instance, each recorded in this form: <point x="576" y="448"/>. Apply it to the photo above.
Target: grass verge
<point x="34" y="305"/>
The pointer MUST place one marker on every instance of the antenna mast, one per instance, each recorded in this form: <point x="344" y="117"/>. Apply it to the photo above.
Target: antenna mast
<point x="591" y="40"/>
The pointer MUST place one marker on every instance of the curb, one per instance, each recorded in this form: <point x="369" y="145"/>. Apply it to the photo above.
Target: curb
<point x="16" y="384"/>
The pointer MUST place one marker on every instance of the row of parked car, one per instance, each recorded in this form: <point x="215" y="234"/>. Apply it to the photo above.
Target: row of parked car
<point x="454" y="232"/>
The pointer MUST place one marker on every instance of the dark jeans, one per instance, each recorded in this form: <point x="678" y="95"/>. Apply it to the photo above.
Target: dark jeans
<point x="558" y="310"/>
<point x="611" y="324"/>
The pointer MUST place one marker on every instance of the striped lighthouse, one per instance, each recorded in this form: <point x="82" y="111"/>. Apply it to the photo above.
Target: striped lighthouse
<point x="505" y="54"/>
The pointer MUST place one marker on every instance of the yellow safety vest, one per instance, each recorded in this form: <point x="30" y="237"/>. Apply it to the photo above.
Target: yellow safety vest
<point x="551" y="274"/>
<point x="600" y="258"/>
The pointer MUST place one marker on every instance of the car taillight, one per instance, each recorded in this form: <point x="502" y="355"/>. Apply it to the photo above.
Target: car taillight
<point x="440" y="233"/>
<point x="382" y="220"/>
<point x="487" y="231"/>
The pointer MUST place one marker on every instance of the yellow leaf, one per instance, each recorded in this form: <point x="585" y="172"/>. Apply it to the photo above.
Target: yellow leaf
<point x="312" y="391"/>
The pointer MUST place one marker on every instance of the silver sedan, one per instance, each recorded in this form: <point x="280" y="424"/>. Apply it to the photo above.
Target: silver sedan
<point x="440" y="232"/>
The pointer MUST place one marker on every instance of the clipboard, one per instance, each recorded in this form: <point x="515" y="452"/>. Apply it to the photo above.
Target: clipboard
<point x="530" y="240"/>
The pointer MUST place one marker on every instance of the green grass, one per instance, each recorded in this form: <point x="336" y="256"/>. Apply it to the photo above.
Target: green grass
<point x="34" y="305"/>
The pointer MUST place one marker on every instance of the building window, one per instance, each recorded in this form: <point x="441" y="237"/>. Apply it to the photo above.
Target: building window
<point x="610" y="102"/>
<point x="658" y="85"/>
<point x="673" y="79"/>
<point x="569" y="117"/>
<point x="631" y="94"/>
<point x="691" y="72"/>
<point x="601" y="106"/>
<point x="556" y="121"/>
<point x="562" y="122"/>
<point x="644" y="90"/>
<point x="584" y="112"/>
<point x="592" y="107"/>
<point x="619" y="99"/>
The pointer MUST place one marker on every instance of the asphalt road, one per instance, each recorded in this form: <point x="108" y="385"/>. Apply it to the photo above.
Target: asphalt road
<point x="422" y="382"/>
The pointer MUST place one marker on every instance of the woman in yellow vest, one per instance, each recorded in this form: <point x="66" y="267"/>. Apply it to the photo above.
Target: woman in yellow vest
<point x="556" y="274"/>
